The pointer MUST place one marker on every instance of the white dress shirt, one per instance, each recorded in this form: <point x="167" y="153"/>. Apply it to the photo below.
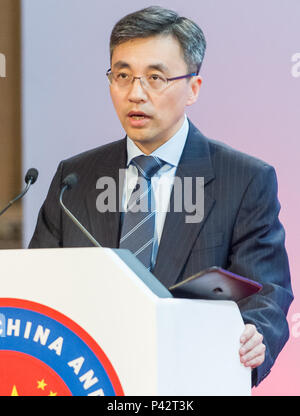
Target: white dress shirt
<point x="162" y="182"/>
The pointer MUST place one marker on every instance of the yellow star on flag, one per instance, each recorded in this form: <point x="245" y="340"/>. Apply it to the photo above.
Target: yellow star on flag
<point x="41" y="384"/>
<point x="14" y="391"/>
<point x="52" y="394"/>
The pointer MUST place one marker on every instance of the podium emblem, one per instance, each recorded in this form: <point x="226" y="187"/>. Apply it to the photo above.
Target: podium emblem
<point x="43" y="352"/>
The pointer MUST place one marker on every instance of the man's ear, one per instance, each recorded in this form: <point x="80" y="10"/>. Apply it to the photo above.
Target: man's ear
<point x="194" y="88"/>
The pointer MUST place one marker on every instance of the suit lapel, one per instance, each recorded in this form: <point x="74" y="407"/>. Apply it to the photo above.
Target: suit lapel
<point x="179" y="236"/>
<point x="106" y="226"/>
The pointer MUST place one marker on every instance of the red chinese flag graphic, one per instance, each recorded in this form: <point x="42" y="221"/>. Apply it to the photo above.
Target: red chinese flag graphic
<point x="24" y="375"/>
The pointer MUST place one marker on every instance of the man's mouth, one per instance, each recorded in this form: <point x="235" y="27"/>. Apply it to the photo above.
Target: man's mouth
<point x="138" y="119"/>
<point x="137" y="115"/>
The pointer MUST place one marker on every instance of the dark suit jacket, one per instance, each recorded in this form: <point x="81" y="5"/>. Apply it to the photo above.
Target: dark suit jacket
<point x="240" y="230"/>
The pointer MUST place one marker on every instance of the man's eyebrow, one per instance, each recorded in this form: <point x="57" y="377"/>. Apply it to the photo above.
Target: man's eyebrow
<point x="159" y="66"/>
<point x="121" y="64"/>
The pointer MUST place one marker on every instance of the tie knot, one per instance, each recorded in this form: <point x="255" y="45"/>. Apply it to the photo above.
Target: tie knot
<point x="147" y="165"/>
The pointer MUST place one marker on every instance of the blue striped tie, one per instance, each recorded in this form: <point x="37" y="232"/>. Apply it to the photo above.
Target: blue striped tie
<point x="139" y="220"/>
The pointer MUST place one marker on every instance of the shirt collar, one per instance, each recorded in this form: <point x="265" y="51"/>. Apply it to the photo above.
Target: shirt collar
<point x="170" y="152"/>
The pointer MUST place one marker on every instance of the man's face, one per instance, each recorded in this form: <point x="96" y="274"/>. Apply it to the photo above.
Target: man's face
<point x="165" y="109"/>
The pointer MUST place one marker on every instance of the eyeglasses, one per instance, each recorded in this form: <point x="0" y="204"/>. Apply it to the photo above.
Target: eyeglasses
<point x="150" y="82"/>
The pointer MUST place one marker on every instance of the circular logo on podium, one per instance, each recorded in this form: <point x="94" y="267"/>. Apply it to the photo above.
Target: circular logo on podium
<point x="44" y="353"/>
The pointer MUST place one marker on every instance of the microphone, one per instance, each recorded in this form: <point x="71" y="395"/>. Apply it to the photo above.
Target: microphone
<point x="69" y="183"/>
<point x="30" y="178"/>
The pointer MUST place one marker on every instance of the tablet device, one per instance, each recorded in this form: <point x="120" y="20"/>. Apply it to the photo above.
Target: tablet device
<point x="215" y="283"/>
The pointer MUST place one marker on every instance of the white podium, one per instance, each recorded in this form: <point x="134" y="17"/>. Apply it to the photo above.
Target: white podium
<point x="98" y="323"/>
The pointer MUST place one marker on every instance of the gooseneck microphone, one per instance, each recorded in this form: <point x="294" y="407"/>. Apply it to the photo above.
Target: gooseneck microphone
<point x="69" y="183"/>
<point x="30" y="178"/>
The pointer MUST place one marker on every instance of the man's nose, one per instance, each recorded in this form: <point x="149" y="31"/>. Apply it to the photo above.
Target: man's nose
<point x="137" y="92"/>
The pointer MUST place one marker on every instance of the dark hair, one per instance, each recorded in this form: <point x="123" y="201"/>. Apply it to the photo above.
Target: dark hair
<point x="156" y="20"/>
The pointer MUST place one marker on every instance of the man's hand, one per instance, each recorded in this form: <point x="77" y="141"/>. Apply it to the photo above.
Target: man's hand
<point x="252" y="351"/>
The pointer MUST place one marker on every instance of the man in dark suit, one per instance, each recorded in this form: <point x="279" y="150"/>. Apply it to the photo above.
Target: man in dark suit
<point x="155" y="60"/>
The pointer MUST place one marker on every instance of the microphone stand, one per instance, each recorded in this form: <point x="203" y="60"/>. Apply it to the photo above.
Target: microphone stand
<point x="16" y="198"/>
<point x="75" y="220"/>
<point x="30" y="179"/>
